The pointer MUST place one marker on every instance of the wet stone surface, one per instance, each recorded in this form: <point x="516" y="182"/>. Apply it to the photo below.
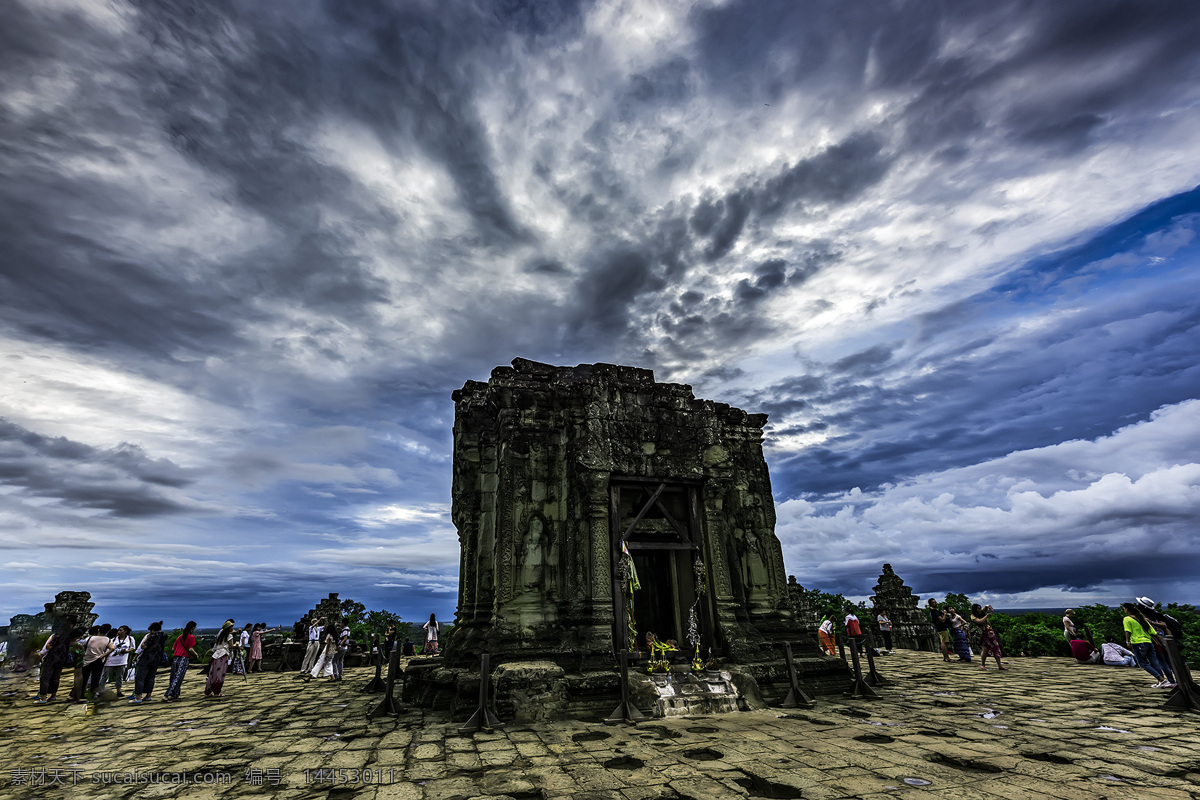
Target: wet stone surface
<point x="1071" y="731"/>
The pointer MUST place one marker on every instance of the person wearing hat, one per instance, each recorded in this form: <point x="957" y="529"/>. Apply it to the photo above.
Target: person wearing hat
<point x="222" y="650"/>
<point x="1139" y="635"/>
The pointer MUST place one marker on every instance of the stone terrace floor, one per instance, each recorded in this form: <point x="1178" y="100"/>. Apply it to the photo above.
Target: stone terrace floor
<point x="1046" y="728"/>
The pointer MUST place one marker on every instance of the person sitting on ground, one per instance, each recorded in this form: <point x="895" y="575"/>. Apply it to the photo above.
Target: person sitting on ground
<point x="1117" y="656"/>
<point x="1084" y="652"/>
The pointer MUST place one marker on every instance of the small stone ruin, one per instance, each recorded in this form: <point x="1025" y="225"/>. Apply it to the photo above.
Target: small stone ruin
<point x="330" y="608"/>
<point x="599" y="511"/>
<point x="68" y="609"/>
<point x="911" y="626"/>
<point x="75" y="606"/>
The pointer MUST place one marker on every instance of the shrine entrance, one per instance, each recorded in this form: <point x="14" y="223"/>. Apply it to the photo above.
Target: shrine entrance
<point x="656" y="531"/>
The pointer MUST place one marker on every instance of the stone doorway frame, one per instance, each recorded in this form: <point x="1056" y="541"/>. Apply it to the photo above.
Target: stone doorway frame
<point x="691" y="537"/>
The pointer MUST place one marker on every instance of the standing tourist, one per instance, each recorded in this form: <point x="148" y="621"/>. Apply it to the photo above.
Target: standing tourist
<point x="56" y="655"/>
<point x="183" y="650"/>
<point x="323" y="668"/>
<point x="941" y="626"/>
<point x="389" y="640"/>
<point x="78" y="650"/>
<point x="1138" y="637"/>
<point x="146" y="662"/>
<point x="118" y="660"/>
<point x="991" y="644"/>
<point x="885" y="628"/>
<point x="97" y="650"/>
<point x="237" y="660"/>
<point x="223" y="650"/>
<point x="1069" y="625"/>
<point x="958" y="632"/>
<point x="343" y="646"/>
<point x="825" y="635"/>
<point x="853" y="629"/>
<point x="431" y="636"/>
<point x="314" y="644"/>
<point x="256" y="645"/>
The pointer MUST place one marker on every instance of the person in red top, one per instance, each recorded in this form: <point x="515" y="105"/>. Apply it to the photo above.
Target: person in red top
<point x="853" y="629"/>
<point x="185" y="648"/>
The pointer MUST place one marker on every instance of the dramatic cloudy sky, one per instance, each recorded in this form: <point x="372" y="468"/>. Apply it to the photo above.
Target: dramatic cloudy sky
<point x="248" y="249"/>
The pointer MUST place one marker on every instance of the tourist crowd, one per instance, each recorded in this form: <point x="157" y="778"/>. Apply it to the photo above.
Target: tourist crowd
<point x="103" y="660"/>
<point x="1144" y="626"/>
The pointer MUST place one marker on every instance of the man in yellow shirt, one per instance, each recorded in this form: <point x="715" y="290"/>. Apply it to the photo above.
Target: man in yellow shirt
<point x="1137" y="637"/>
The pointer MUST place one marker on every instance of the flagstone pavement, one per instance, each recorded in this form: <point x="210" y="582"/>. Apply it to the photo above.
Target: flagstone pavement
<point x="1046" y="728"/>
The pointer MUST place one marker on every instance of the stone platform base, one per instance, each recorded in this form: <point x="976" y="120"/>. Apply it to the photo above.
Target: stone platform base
<point x="537" y="691"/>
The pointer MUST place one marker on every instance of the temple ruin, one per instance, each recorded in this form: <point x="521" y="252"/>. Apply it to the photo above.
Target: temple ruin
<point x="596" y="507"/>
<point x="911" y="626"/>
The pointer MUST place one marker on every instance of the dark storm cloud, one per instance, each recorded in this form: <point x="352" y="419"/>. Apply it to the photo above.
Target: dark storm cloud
<point x="1135" y="53"/>
<point x="836" y="175"/>
<point x="122" y="481"/>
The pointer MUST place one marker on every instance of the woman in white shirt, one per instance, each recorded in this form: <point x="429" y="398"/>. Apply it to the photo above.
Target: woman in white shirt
<point x="1117" y="656"/>
<point x="431" y="636"/>
<point x="118" y="659"/>
<point x="825" y="635"/>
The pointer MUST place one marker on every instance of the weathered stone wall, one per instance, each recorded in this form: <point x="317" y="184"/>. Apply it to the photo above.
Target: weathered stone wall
<point x="535" y="448"/>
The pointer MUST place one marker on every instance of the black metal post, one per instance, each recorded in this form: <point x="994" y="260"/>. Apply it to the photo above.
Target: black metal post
<point x="1186" y="694"/>
<point x="483" y="717"/>
<point x="796" y="696"/>
<point x="376" y="684"/>
<point x="859" y="690"/>
<point x="389" y="705"/>
<point x="285" y="661"/>
<point x="625" y="711"/>
<point x="873" y="677"/>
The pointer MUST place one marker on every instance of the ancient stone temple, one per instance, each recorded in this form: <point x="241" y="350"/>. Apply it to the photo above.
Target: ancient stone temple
<point x="911" y="627"/>
<point x="595" y="507"/>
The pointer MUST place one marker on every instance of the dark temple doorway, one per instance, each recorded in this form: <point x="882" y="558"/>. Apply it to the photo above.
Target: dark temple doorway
<point x="657" y="524"/>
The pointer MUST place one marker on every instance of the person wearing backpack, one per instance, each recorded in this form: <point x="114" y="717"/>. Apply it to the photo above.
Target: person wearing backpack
<point x="147" y="660"/>
<point x="56" y="655"/>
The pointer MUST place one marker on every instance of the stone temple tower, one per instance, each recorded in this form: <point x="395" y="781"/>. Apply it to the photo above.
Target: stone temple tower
<point x="568" y="478"/>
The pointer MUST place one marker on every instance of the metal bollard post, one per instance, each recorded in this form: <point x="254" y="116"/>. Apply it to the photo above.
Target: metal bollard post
<point x="625" y="710"/>
<point x="1186" y="694"/>
<point x="376" y="684"/>
<point x="483" y="717"/>
<point x="859" y="690"/>
<point x="389" y="705"/>
<point x="796" y="696"/>
<point x="873" y="677"/>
